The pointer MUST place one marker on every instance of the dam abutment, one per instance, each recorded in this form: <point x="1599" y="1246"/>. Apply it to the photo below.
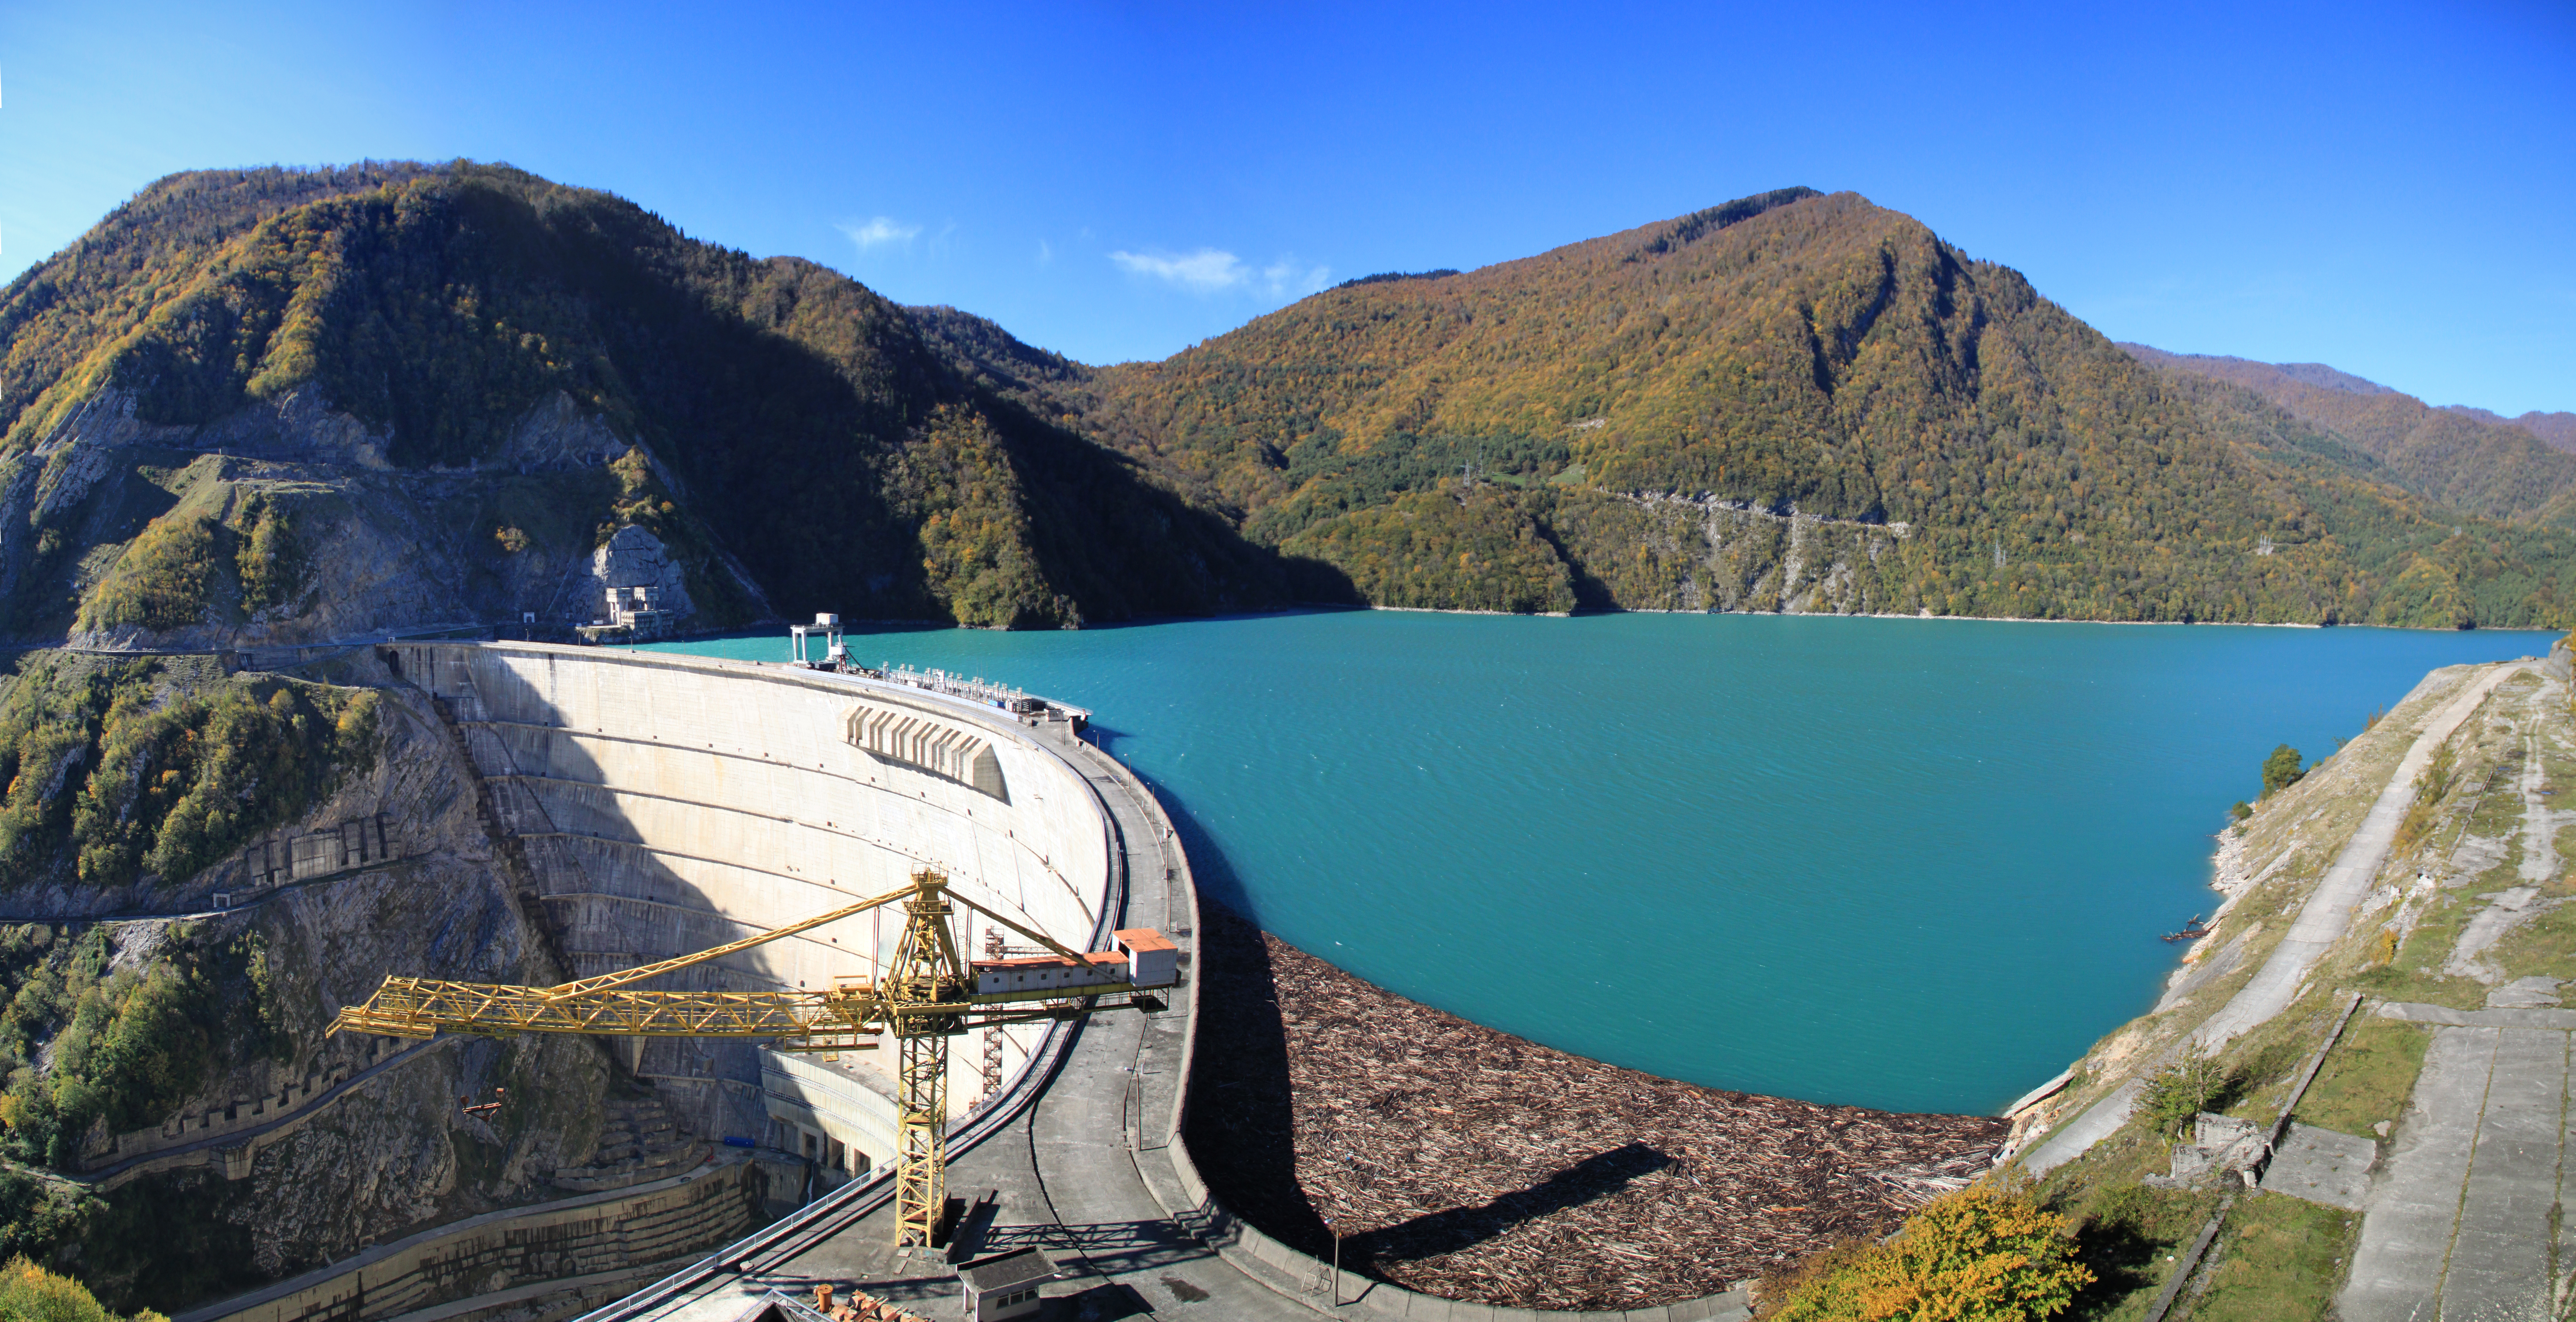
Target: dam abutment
<point x="642" y="806"/>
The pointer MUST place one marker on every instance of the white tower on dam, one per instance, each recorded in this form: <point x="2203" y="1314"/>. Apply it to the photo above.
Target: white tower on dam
<point x="659" y="804"/>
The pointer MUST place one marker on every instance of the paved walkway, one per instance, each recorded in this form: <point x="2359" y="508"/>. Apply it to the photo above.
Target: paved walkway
<point x="2463" y="1222"/>
<point x="2320" y="923"/>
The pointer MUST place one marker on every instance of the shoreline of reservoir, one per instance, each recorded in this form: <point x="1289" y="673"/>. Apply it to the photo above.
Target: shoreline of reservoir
<point x="1895" y="615"/>
<point x="1462" y="1161"/>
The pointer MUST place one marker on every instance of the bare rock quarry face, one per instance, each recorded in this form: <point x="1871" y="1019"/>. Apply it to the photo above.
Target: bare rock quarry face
<point x="375" y="545"/>
<point x="636" y="559"/>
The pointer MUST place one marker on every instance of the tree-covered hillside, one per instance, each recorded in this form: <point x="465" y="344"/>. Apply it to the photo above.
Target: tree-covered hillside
<point x="2556" y="429"/>
<point x="220" y="408"/>
<point x="1787" y="352"/>
<point x="790" y="416"/>
<point x="2470" y="460"/>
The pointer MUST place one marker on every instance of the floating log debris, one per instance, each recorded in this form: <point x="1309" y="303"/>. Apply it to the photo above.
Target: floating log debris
<point x="1467" y="1163"/>
<point x="2191" y="931"/>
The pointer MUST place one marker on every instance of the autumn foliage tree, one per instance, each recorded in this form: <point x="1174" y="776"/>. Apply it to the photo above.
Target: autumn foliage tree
<point x="1984" y="1254"/>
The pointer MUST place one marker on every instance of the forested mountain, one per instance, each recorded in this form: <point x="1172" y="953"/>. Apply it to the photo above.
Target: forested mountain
<point x="307" y="404"/>
<point x="487" y="369"/>
<point x="2468" y="459"/>
<point x="2557" y="430"/>
<point x="1632" y="419"/>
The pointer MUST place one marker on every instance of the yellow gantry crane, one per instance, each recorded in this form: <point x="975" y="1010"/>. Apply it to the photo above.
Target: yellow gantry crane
<point x="924" y="996"/>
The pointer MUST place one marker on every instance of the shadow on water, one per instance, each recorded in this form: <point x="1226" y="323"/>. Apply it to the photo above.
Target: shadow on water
<point x="870" y="631"/>
<point x="1106" y="738"/>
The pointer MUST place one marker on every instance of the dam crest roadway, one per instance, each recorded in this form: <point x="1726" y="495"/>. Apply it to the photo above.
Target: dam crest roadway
<point x="655" y="804"/>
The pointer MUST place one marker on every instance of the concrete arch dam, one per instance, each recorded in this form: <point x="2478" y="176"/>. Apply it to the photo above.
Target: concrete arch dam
<point x="663" y="804"/>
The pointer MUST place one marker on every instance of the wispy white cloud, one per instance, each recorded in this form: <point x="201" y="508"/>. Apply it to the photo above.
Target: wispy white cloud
<point x="1215" y="271"/>
<point x="1046" y="252"/>
<point x="879" y="231"/>
<point x="1207" y="271"/>
<point x="1288" y="279"/>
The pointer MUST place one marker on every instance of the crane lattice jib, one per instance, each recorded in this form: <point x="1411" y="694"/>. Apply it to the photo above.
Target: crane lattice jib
<point x="925" y="996"/>
<point x="422" y="1007"/>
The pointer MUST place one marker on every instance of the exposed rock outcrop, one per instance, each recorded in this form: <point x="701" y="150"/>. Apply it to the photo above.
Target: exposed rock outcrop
<point x="360" y="545"/>
<point x="297" y="1175"/>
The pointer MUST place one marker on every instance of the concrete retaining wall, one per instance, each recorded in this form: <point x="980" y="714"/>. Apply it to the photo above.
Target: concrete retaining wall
<point x="295" y="1100"/>
<point x="626" y="1230"/>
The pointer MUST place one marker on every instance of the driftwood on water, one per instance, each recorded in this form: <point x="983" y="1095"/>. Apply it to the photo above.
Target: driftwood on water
<point x="1471" y="1164"/>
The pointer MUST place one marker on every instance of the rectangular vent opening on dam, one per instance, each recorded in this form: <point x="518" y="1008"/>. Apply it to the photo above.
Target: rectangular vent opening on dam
<point x="926" y="745"/>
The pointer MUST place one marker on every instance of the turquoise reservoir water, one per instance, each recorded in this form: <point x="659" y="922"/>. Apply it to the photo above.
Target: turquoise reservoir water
<point x="1909" y="864"/>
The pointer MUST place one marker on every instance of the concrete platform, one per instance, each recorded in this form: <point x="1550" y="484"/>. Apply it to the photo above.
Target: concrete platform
<point x="2461" y="1223"/>
<point x="2322" y="1166"/>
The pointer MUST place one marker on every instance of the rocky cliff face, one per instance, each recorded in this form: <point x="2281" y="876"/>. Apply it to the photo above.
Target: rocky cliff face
<point x="297" y="1155"/>
<point x="308" y="534"/>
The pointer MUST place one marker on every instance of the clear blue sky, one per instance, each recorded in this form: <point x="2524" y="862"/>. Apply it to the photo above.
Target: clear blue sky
<point x="2390" y="188"/>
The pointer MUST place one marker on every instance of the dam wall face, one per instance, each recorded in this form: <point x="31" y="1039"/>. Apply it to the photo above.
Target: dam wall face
<point x="661" y="804"/>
